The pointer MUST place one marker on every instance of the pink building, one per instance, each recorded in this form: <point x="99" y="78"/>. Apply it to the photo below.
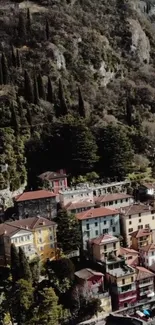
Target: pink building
<point x="55" y="181"/>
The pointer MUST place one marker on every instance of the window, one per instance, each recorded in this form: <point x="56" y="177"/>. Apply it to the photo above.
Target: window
<point x="105" y="255"/>
<point x="87" y="226"/>
<point x="105" y="222"/>
<point x="132" y="279"/>
<point x="105" y="247"/>
<point x="50" y="228"/>
<point x="52" y="245"/>
<point x="129" y="217"/>
<point x="105" y="231"/>
<point x="152" y="253"/>
<point x="121" y="201"/>
<point x="40" y="240"/>
<point x="41" y="248"/>
<point x="114" y="246"/>
<point x="152" y="217"/>
<point x="96" y="224"/>
<point x="111" y="221"/>
<point x="116" y="202"/>
<point x="147" y="225"/>
<point x="123" y="281"/>
<point x="113" y="229"/>
<point x="130" y="222"/>
<point x="140" y="220"/>
<point x="130" y="229"/>
<point x="126" y="200"/>
<point x="51" y="237"/>
<point x="140" y="227"/>
<point x="96" y="232"/>
<point x="139" y="214"/>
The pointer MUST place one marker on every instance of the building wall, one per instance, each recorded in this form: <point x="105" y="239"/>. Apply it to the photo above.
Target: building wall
<point x="100" y="251"/>
<point x="45" y="207"/>
<point x="118" y="203"/>
<point x="76" y="195"/>
<point x="147" y="258"/>
<point x="137" y="243"/>
<point x="131" y="223"/>
<point x="25" y="240"/>
<point x="143" y="286"/>
<point x="45" y="242"/>
<point x="106" y="304"/>
<point x="94" y="227"/>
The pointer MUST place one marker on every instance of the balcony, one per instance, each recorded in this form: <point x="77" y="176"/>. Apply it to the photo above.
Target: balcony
<point x="121" y="291"/>
<point x="148" y="283"/>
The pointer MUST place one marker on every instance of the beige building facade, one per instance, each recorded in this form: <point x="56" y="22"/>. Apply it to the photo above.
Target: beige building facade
<point x="135" y="217"/>
<point x="102" y="246"/>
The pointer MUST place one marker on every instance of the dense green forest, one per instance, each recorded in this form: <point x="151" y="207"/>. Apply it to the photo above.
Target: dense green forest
<point x="77" y="88"/>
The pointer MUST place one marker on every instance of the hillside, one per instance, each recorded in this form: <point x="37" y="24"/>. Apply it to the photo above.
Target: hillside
<point x="51" y="48"/>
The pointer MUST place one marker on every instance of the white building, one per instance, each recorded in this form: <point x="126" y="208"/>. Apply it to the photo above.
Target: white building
<point x="96" y="222"/>
<point x="76" y="194"/>
<point x="147" y="255"/>
<point x="114" y="200"/>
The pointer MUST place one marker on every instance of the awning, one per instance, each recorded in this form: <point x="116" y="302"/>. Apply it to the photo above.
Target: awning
<point x="146" y="312"/>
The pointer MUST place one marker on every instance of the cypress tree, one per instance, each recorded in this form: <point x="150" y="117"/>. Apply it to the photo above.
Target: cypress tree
<point x="129" y="112"/>
<point x="28" y="89"/>
<point x="18" y="60"/>
<point x="25" y="272"/>
<point x="4" y="69"/>
<point x="15" y="270"/>
<point x="50" y="96"/>
<point x="29" y="117"/>
<point x="21" y="27"/>
<point x="1" y="74"/>
<point x="14" y="120"/>
<point x="62" y="101"/>
<point x="35" y="91"/>
<point x="81" y="107"/>
<point x="13" y="56"/>
<point x="28" y="23"/>
<point x="47" y="30"/>
<point x="41" y="89"/>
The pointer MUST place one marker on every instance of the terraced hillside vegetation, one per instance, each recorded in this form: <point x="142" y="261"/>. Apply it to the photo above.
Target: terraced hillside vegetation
<point x="77" y="88"/>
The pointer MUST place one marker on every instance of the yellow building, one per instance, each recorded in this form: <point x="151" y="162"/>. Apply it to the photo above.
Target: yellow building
<point x="141" y="238"/>
<point x="102" y="246"/>
<point x="36" y="235"/>
<point x="135" y="217"/>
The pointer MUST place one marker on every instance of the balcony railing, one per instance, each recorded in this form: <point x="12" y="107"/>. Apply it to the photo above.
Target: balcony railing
<point x="128" y="297"/>
<point x="133" y="288"/>
<point x="141" y="285"/>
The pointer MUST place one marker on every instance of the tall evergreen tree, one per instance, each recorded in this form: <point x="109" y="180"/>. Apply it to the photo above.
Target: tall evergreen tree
<point x="47" y="30"/>
<point x="28" y="23"/>
<point x="15" y="265"/>
<point x="69" y="225"/>
<point x="18" y="60"/>
<point x="62" y="101"/>
<point x="28" y="89"/>
<point x="1" y="74"/>
<point x="22" y="27"/>
<point x="13" y="56"/>
<point x="129" y="111"/>
<point x="50" y="97"/>
<point x="81" y="104"/>
<point x="25" y="272"/>
<point x="41" y="89"/>
<point x="35" y="91"/>
<point x="4" y="69"/>
<point x="14" y="120"/>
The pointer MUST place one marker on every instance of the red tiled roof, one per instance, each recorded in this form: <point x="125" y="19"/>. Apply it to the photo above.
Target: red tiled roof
<point x="79" y="204"/>
<point x="96" y="213"/>
<point x="34" y="195"/>
<point x="149" y="186"/>
<point x="86" y="274"/>
<point x="112" y="197"/>
<point x="31" y="223"/>
<point x="104" y="239"/>
<point x="125" y="251"/>
<point x="140" y="233"/>
<point x="135" y="209"/>
<point x="148" y="248"/>
<point x="143" y="273"/>
<point x="49" y="176"/>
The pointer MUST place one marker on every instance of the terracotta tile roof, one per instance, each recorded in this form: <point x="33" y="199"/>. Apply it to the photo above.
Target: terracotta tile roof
<point x="135" y="209"/>
<point x="31" y="223"/>
<point x="49" y="176"/>
<point x="34" y="195"/>
<point x="140" y="233"/>
<point x="148" y="248"/>
<point x="143" y="273"/>
<point x="86" y="274"/>
<point x="104" y="239"/>
<point x="78" y="205"/>
<point x="126" y="251"/>
<point x="149" y="186"/>
<point x="112" y="197"/>
<point x="8" y="230"/>
<point x="96" y="213"/>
